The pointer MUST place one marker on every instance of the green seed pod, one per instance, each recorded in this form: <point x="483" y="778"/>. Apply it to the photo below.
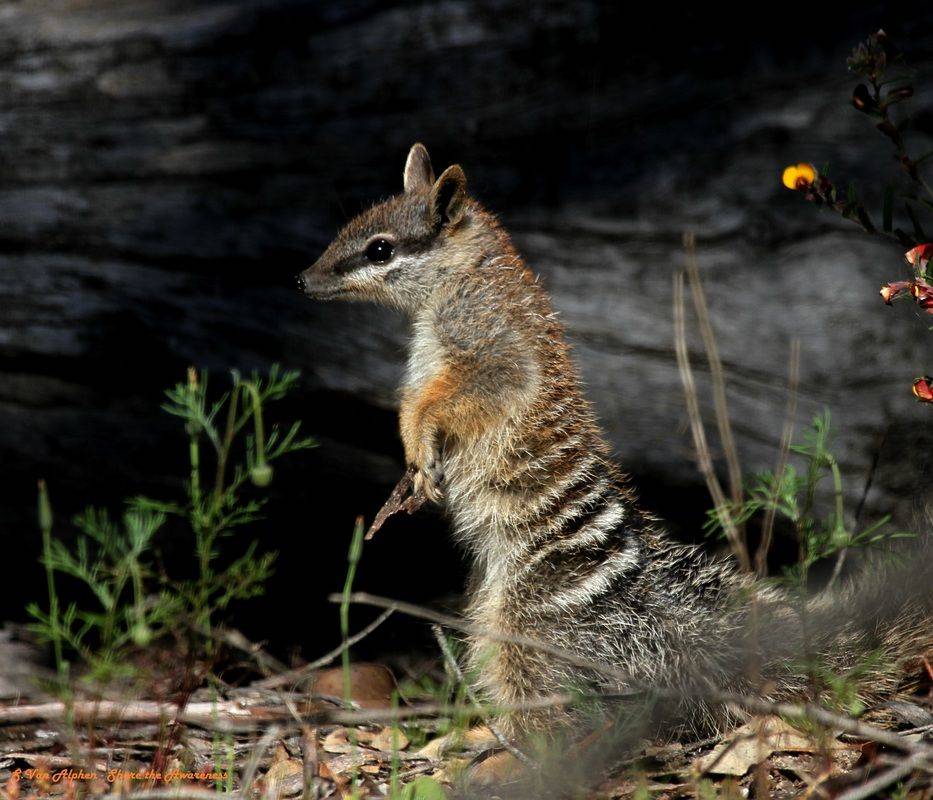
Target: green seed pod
<point x="261" y="475"/>
<point x="45" y="509"/>
<point x="141" y="634"/>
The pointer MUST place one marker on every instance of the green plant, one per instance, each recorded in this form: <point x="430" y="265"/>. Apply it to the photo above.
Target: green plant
<point x="111" y="561"/>
<point x="792" y="496"/>
<point x="134" y="601"/>
<point x="353" y="559"/>
<point x="423" y="788"/>
<point x="841" y="691"/>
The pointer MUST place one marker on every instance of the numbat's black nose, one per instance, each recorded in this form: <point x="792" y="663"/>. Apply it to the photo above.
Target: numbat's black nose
<point x="300" y="282"/>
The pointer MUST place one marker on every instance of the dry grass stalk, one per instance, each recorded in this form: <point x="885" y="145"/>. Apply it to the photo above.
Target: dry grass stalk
<point x="717" y="373"/>
<point x="704" y="457"/>
<point x="793" y="380"/>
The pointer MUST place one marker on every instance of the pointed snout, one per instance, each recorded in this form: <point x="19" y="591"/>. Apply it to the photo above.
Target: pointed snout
<point x="318" y="284"/>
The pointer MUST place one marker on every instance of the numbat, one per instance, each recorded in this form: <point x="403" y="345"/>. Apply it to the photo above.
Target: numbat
<point x="494" y="420"/>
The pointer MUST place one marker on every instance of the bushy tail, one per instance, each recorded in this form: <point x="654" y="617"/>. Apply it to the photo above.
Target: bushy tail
<point x="876" y="627"/>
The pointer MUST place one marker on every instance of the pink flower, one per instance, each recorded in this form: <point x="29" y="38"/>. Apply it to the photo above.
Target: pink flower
<point x="920" y="255"/>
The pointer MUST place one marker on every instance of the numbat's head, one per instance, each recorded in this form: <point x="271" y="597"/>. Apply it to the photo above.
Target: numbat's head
<point x="399" y="250"/>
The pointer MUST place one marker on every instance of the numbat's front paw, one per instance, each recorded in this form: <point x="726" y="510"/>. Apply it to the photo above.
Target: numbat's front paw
<point x="429" y="480"/>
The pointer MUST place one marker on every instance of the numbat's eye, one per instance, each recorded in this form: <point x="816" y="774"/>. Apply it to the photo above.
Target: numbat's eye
<point x="379" y="251"/>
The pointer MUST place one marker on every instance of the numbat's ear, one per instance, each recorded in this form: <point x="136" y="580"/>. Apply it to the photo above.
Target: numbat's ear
<point x="418" y="171"/>
<point x="448" y="197"/>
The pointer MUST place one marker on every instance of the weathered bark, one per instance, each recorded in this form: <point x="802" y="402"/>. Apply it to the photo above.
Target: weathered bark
<point x="166" y="167"/>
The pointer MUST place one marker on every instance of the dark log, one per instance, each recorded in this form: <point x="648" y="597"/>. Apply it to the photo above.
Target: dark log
<point x="168" y="166"/>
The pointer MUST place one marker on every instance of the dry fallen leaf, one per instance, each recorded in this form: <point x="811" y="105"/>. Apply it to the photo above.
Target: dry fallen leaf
<point x="497" y="769"/>
<point x="477" y="738"/>
<point x="344" y="740"/>
<point x="337" y="741"/>
<point x="284" y="778"/>
<point x="371" y="685"/>
<point x="389" y="740"/>
<point x="452" y="770"/>
<point x="753" y="743"/>
<point x="339" y="779"/>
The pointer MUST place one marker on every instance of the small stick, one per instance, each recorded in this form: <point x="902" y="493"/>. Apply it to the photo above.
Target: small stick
<point x="295" y="676"/>
<point x="309" y="762"/>
<point x="252" y="766"/>
<point x="900" y="770"/>
<point x="398" y="502"/>
<point x="267" y="663"/>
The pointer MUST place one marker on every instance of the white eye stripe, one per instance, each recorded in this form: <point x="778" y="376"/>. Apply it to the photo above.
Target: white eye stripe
<point x="378" y="270"/>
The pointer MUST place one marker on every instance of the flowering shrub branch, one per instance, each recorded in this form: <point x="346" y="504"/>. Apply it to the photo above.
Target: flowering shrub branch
<point x="876" y="96"/>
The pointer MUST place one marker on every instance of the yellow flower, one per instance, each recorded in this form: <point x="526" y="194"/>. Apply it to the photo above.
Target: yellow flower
<point x="798" y="176"/>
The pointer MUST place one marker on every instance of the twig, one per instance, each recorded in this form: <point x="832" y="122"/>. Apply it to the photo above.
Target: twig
<point x="246" y="719"/>
<point x="870" y="478"/>
<point x="704" y="459"/>
<point x="767" y="532"/>
<point x="841" y="556"/>
<point x="451" y="660"/>
<point x="716" y="371"/>
<point x="919" y="729"/>
<point x="255" y="757"/>
<point x="266" y="662"/>
<point x="96" y="711"/>
<point x="822" y="716"/>
<point x="839" y="520"/>
<point x="309" y="763"/>
<point x="398" y="502"/>
<point x="295" y="676"/>
<point x="870" y="787"/>
<point x="182" y="792"/>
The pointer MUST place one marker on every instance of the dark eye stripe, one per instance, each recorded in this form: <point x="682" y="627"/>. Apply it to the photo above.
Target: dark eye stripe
<point x="349" y="264"/>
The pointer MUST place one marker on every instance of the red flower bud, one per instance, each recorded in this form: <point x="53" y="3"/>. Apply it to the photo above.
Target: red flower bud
<point x="921" y="291"/>
<point x="862" y="99"/>
<point x="923" y="389"/>
<point x="891" y="290"/>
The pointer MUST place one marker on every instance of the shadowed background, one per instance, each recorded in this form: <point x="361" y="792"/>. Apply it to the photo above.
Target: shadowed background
<point x="167" y="167"/>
